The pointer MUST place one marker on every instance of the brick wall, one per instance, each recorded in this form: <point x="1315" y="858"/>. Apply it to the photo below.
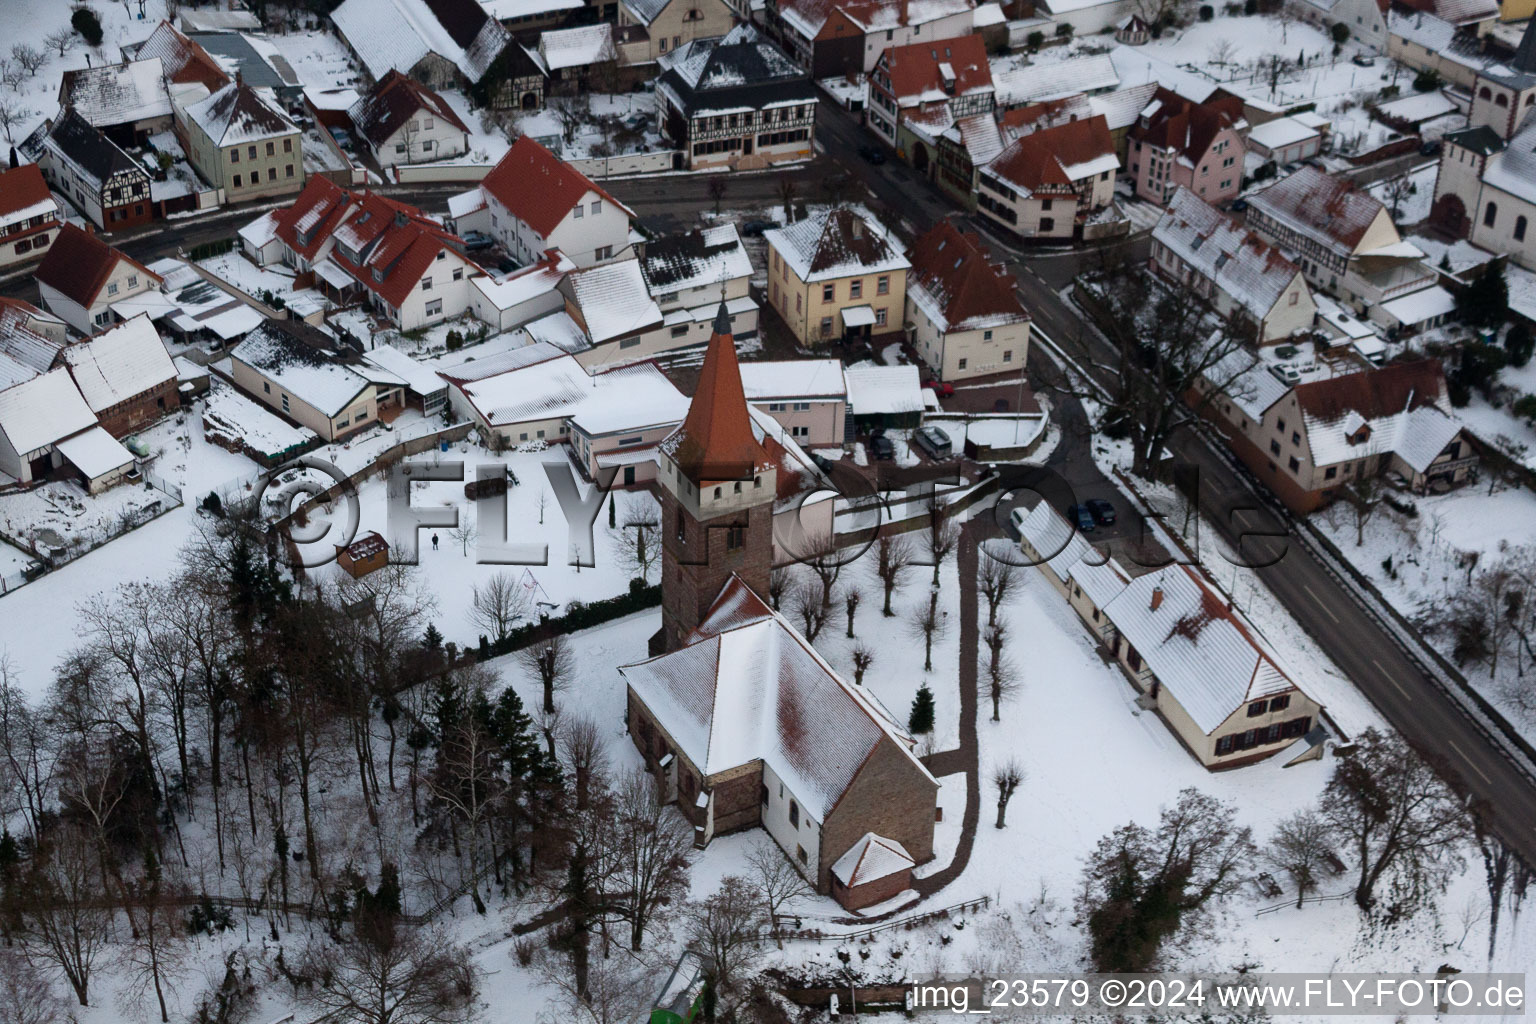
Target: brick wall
<point x="695" y="568"/>
<point x="890" y="796"/>
<point x="870" y="893"/>
<point x="738" y="797"/>
<point x="654" y="743"/>
<point x="126" y="417"/>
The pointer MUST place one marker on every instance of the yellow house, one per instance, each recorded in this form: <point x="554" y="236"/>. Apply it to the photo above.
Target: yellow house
<point x="837" y="276"/>
<point x="1516" y="10"/>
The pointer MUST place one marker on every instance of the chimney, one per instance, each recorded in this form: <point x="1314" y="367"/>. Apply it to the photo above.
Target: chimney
<point x="1157" y="597"/>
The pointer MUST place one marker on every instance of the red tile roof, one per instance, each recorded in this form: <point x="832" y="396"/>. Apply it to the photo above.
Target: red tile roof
<point x="1332" y="207"/>
<point x="1185" y="126"/>
<point x="1384" y="392"/>
<point x="716" y="441"/>
<point x="315" y="213"/>
<point x="394" y="101"/>
<point x="916" y="75"/>
<point x="397" y="241"/>
<point x="21" y="187"/>
<point x="1039" y="159"/>
<point x="78" y="265"/>
<point x="538" y="187"/>
<point x="956" y="270"/>
<point x="183" y="60"/>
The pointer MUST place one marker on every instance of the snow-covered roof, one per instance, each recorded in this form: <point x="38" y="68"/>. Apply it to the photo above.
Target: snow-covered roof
<point x="1514" y="169"/>
<point x="1424" y="304"/>
<point x="693" y="259"/>
<point x="871" y="858"/>
<point x="613" y="300"/>
<point x="1396" y="409"/>
<point x="1122" y="106"/>
<point x="747" y="687"/>
<point x="1246" y="380"/>
<point x="512" y="359"/>
<point x="1254" y="274"/>
<point x="559" y="330"/>
<point x="1017" y="83"/>
<point x="238" y="114"/>
<point x="1202" y="650"/>
<point x="261" y="231"/>
<point x="419" y="377"/>
<point x="95" y="453"/>
<point x="506" y="10"/>
<point x="1056" y="540"/>
<point x="629" y="397"/>
<point x="577" y="47"/>
<point x="792" y="379"/>
<point x="230" y="415"/>
<point x="835" y="244"/>
<point x="396" y="34"/>
<point x="957" y="285"/>
<point x="1100" y="579"/>
<point x="292" y="354"/>
<point x="119" y="363"/>
<point x="1333" y="211"/>
<point x="42" y="411"/>
<point x="115" y="94"/>
<point x="1281" y="132"/>
<point x="525" y="283"/>
<point x="876" y="389"/>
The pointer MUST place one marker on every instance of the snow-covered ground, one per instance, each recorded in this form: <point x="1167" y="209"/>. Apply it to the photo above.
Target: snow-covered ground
<point x="1414" y="207"/>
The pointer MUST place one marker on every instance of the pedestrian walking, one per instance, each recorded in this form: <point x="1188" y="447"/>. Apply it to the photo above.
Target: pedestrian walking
<point x="434" y="542"/>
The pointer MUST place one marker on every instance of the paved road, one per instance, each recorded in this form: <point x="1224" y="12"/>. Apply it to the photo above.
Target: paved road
<point x="1434" y="722"/>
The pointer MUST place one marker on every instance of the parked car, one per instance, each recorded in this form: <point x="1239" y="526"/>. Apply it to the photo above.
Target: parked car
<point x="822" y="462"/>
<point x="342" y="136"/>
<point x="1103" y="512"/>
<point x="1016" y="520"/>
<point x="33" y="569"/>
<point x="753" y="228"/>
<point x="933" y="441"/>
<point x="506" y="264"/>
<point x="882" y="448"/>
<point x="1239" y="205"/>
<point x="1361" y="60"/>
<point x="474" y="241"/>
<point x="1431" y="147"/>
<point x="1080" y="515"/>
<point x="872" y="154"/>
<point x="941" y="388"/>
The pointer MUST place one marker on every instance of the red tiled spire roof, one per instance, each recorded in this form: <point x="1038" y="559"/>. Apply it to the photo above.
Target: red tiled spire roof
<point x="716" y="441"/>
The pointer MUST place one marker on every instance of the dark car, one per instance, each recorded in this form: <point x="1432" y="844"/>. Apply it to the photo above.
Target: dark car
<point x="1430" y="147"/>
<point x="882" y="448"/>
<point x="474" y="241"/>
<point x="940" y="388"/>
<point x="1102" y="511"/>
<point x="872" y="154"/>
<point x="1080" y="515"/>
<point x="754" y="228"/>
<point x="1361" y="60"/>
<point x="1239" y="205"/>
<point x="933" y="441"/>
<point x="33" y="570"/>
<point x="506" y="265"/>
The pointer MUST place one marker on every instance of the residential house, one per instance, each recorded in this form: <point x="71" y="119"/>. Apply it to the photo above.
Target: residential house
<point x="1485" y="190"/>
<point x="1425" y="42"/>
<point x="738" y="715"/>
<point x="1365" y="19"/>
<point x="963" y="309"/>
<point x="1019" y="83"/>
<point x="404" y="122"/>
<point x="688" y="273"/>
<point x="443" y="44"/>
<point x="511" y="300"/>
<point x="918" y="92"/>
<point x="884" y="396"/>
<point x="534" y="202"/>
<point x="424" y="389"/>
<point x="1341" y="236"/>
<point x="1121" y="109"/>
<point x="127" y="102"/>
<point x="182" y="59"/>
<point x="1087" y="17"/>
<point x="241" y="142"/>
<point x="82" y="276"/>
<point x="1190" y="654"/>
<point x="1503" y="93"/>
<point x="256" y="62"/>
<point x="1199" y="146"/>
<point x="651" y="29"/>
<point x="736" y="102"/>
<point x="125" y="375"/>
<point x="1196" y="246"/>
<point x="1475" y="17"/>
<point x="580" y="58"/>
<point x="29" y="216"/>
<point x="807" y="397"/>
<point x="1285" y="140"/>
<point x="46" y="428"/>
<point x="81" y="164"/>
<point x="1307" y="442"/>
<point x="833" y="38"/>
<point x="297" y="370"/>
<point x="613" y="308"/>
<point x="962" y="148"/>
<point x="836" y="275"/>
<point x="1044" y="184"/>
<point x="537" y="394"/>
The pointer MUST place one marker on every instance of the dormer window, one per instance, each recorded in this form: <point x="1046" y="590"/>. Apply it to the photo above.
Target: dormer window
<point x="378" y="274"/>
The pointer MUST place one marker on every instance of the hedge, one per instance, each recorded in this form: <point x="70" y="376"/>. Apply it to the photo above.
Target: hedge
<point x="578" y="615"/>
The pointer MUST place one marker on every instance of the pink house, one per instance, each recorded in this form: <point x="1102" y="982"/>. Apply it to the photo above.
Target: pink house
<point x="1177" y="142"/>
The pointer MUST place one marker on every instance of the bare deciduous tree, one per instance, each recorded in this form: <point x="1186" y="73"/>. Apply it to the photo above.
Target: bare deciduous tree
<point x="806" y="607"/>
<point x="893" y="554"/>
<point x="998" y="581"/>
<point x="863" y="657"/>
<point x="641" y="549"/>
<point x="584" y="755"/>
<point x="26" y="997"/>
<point x="717" y="186"/>
<point x="651" y="847"/>
<point x="852" y="598"/>
<point x="66" y="910"/>
<point x="393" y="975"/>
<point x="29" y="58"/>
<point x="552" y="662"/>
<point x="12" y="116"/>
<point x="1403" y="824"/>
<point x="62" y="41"/>
<point x="1300" y="846"/>
<point x="1007" y="777"/>
<point x="723" y="927"/>
<point x="779" y="582"/>
<point x="787" y="193"/>
<point x="463" y="535"/>
<point x="1000" y="681"/>
<point x="782" y="886"/>
<point x="498" y="604"/>
<point x="1364" y="496"/>
<point x="941" y="534"/>
<point x="928" y="624"/>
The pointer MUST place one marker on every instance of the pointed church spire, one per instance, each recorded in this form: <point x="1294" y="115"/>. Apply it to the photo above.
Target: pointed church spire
<point x="715" y="442"/>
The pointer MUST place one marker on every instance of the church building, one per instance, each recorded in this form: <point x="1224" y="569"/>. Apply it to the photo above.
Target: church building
<point x="743" y="721"/>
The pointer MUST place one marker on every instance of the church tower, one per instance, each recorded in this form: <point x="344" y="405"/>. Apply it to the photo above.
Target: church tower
<point x="717" y="493"/>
